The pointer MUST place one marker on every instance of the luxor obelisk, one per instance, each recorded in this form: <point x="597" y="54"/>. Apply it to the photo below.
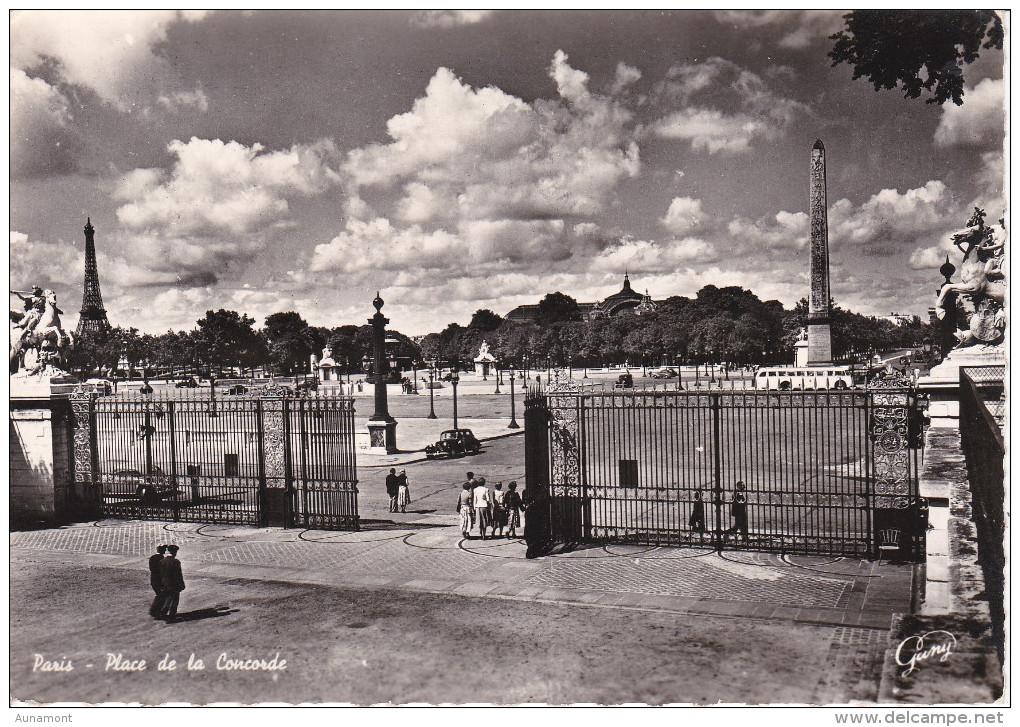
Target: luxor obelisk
<point x="819" y="309"/>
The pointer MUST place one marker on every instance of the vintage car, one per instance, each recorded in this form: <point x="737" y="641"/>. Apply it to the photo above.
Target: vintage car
<point x="188" y="382"/>
<point x="237" y="390"/>
<point x="147" y="489"/>
<point x="625" y="381"/>
<point x="664" y="373"/>
<point x="454" y="443"/>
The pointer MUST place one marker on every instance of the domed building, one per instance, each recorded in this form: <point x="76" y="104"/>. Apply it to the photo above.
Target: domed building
<point x="627" y="299"/>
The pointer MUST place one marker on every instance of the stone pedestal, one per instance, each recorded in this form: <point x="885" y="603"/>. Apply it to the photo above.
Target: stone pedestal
<point x="382" y="436"/>
<point x="41" y="452"/>
<point x="942" y="384"/>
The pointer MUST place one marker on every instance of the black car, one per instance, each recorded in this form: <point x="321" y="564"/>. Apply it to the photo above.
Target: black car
<point x="187" y="383"/>
<point x="148" y="489"/>
<point x="625" y="381"/>
<point x="454" y="443"/>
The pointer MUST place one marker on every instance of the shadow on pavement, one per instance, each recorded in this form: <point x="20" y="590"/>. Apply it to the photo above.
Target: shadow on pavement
<point x="392" y="525"/>
<point x="204" y="613"/>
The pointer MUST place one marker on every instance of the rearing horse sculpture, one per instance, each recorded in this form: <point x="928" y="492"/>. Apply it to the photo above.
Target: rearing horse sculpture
<point x="47" y="337"/>
<point x="981" y="274"/>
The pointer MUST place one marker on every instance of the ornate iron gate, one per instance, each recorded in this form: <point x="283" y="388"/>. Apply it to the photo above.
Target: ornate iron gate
<point x="267" y="458"/>
<point x="826" y="472"/>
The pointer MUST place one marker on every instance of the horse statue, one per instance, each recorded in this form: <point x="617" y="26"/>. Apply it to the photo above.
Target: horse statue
<point x="982" y="283"/>
<point x="39" y="330"/>
<point x="980" y="275"/>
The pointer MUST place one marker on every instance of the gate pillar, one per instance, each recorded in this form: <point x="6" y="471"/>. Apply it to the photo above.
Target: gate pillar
<point x="275" y="488"/>
<point x="87" y="491"/>
<point x="896" y="505"/>
<point x="536" y="474"/>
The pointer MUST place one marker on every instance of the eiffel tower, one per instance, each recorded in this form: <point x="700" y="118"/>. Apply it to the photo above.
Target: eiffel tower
<point x="92" y="318"/>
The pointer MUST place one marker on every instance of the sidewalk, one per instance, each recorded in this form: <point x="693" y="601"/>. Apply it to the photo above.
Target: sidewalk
<point x="424" y="552"/>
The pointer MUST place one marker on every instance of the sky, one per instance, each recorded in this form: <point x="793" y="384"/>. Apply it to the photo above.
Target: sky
<point x="456" y="160"/>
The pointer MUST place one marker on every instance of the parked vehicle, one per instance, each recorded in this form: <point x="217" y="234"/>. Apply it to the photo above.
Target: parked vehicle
<point x="237" y="390"/>
<point x="188" y="382"/>
<point x="625" y="381"/>
<point x="308" y="385"/>
<point x="664" y="373"/>
<point x="791" y="378"/>
<point x="147" y="489"/>
<point x="103" y="386"/>
<point x="454" y="443"/>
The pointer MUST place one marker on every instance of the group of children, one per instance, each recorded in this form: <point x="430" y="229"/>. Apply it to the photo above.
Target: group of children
<point x="496" y="508"/>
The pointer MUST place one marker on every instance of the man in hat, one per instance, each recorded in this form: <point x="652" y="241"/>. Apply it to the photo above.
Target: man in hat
<point x="392" y="488"/>
<point x="156" y="581"/>
<point x="173" y="582"/>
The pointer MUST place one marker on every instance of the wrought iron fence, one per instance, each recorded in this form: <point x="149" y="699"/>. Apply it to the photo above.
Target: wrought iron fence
<point x="830" y="472"/>
<point x="981" y="390"/>
<point x="263" y="458"/>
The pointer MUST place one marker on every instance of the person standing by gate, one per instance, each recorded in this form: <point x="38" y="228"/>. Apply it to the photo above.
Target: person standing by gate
<point x="156" y="581"/>
<point x="392" y="489"/>
<point x="403" y="492"/>
<point x="513" y="504"/>
<point x="697" y="519"/>
<point x="738" y="509"/>
<point x="464" y="509"/>
<point x="173" y="582"/>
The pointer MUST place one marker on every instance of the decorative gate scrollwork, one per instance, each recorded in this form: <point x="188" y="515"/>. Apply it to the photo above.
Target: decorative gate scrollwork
<point x="85" y="488"/>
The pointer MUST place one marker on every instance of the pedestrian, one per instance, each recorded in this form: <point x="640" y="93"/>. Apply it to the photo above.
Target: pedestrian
<point x="464" y="509"/>
<point x="156" y="581"/>
<point x="172" y="579"/>
<point x="697" y="519"/>
<point x="513" y="504"/>
<point x="392" y="489"/>
<point x="738" y="509"/>
<point x="403" y="492"/>
<point x="471" y="482"/>
<point x="361" y="386"/>
<point x="498" y="510"/>
<point x="145" y="390"/>
<point x="481" y="504"/>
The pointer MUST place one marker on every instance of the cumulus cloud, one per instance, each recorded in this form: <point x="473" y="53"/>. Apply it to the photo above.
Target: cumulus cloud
<point x="213" y="206"/>
<point x="41" y="140"/>
<point x="625" y="76"/>
<point x="478" y="177"/>
<point x="708" y="94"/>
<point x="979" y="122"/>
<point x="196" y="100"/>
<point x="448" y="18"/>
<point x="43" y="263"/>
<point x="783" y="231"/>
<point x="645" y="256"/>
<point x="109" y="52"/>
<point x="799" y="28"/>
<point x="684" y="214"/>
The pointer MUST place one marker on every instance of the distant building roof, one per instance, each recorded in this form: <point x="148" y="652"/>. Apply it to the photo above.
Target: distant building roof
<point x="624" y="300"/>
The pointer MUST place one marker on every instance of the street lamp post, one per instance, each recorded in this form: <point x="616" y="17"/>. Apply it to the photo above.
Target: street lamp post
<point x="454" y="380"/>
<point x="513" y="410"/>
<point x="382" y="427"/>
<point x="432" y="390"/>
<point x="212" y="394"/>
<point x="497" y="380"/>
<point x="414" y="375"/>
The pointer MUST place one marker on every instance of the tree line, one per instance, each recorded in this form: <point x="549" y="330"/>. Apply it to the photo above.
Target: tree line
<point x="728" y="324"/>
<point x="718" y="325"/>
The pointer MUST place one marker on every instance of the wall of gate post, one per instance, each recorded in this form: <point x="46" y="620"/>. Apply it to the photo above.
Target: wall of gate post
<point x="41" y="470"/>
<point x="537" y="532"/>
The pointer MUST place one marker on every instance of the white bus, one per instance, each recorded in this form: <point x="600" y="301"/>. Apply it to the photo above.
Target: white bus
<point x="787" y="378"/>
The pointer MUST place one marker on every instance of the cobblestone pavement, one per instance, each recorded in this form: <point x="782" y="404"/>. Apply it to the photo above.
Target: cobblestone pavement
<point x="429" y="554"/>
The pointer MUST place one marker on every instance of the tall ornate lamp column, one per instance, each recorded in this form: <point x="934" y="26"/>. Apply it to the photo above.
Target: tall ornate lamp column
<point x="382" y="428"/>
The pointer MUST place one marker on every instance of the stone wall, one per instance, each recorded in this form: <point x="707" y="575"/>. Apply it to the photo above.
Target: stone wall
<point x="954" y="598"/>
<point x="41" y="464"/>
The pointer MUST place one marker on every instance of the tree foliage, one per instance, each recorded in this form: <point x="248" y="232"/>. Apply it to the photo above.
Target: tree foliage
<point x="924" y="50"/>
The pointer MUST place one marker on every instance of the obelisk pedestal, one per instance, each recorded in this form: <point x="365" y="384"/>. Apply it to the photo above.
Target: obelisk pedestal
<point x="819" y="309"/>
